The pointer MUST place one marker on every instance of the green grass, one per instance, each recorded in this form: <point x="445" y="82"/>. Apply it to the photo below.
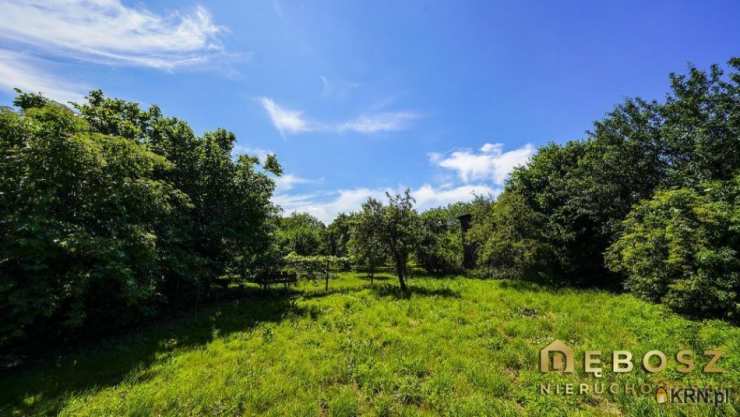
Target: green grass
<point x="455" y="347"/>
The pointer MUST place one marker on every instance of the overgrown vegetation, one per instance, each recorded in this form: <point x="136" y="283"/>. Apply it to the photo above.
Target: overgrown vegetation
<point x="456" y="347"/>
<point x="680" y="248"/>
<point x="654" y="185"/>
<point x="111" y="214"/>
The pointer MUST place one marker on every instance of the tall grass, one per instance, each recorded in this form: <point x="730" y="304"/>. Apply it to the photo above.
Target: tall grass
<point x="454" y="347"/>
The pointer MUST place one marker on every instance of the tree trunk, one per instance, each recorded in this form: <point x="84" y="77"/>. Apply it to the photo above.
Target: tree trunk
<point x="326" y="276"/>
<point x="402" y="281"/>
<point x="401" y="271"/>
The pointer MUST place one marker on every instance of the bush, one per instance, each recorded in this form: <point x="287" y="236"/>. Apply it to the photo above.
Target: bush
<point x="512" y="243"/>
<point x="440" y="248"/>
<point x="301" y="233"/>
<point x="681" y="248"/>
<point x="79" y="217"/>
<point x="113" y="214"/>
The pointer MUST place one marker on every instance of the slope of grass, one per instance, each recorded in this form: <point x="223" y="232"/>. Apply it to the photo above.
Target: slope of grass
<point x="455" y="347"/>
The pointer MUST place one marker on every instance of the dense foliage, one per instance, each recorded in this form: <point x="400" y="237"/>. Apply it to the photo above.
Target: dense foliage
<point x="681" y="248"/>
<point x="301" y="233"/>
<point x="366" y="245"/>
<point x="316" y="266"/>
<point x="440" y="248"/>
<point x="111" y="214"/>
<point x="560" y="213"/>
<point x="400" y="232"/>
<point x="338" y="235"/>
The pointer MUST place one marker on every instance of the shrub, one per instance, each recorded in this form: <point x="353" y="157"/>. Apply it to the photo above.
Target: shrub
<point x="440" y="248"/>
<point x="111" y="214"/>
<point x="681" y="248"/>
<point x="512" y="241"/>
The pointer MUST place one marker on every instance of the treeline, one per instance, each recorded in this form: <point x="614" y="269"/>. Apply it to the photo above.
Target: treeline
<point x="649" y="202"/>
<point x="110" y="214"/>
<point x="382" y="234"/>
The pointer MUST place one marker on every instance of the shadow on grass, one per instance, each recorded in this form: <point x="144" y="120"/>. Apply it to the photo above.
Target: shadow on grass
<point x="107" y="362"/>
<point x="377" y="277"/>
<point x="521" y="285"/>
<point x="413" y="290"/>
<point x="332" y="291"/>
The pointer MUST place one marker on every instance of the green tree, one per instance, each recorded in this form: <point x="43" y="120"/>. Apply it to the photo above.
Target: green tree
<point x="681" y="248"/>
<point x="585" y="189"/>
<point x="400" y="232"/>
<point x="301" y="233"/>
<point x="227" y="225"/>
<point x="338" y="235"/>
<point x="440" y="248"/>
<point x="701" y="125"/>
<point x="80" y="213"/>
<point x="113" y="213"/>
<point x="366" y="245"/>
<point x="513" y="243"/>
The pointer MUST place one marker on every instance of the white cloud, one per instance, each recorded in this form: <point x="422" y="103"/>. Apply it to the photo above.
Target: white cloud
<point x="286" y="182"/>
<point x="289" y="121"/>
<point x="285" y="120"/>
<point x="327" y="207"/>
<point x="379" y="122"/>
<point x="21" y="71"/>
<point x="323" y="208"/>
<point x="107" y="31"/>
<point x="490" y="164"/>
<point x="428" y="196"/>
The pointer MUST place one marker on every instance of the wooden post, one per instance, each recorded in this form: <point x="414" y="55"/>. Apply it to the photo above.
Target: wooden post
<point x="326" y="276"/>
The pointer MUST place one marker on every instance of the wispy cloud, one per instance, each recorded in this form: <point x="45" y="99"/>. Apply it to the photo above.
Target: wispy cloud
<point x="107" y="31"/>
<point x="287" y="182"/>
<point x="285" y="120"/>
<point x="290" y="121"/>
<point x="428" y="196"/>
<point x="326" y="206"/>
<point x="490" y="164"/>
<point x="380" y="122"/>
<point x="22" y="71"/>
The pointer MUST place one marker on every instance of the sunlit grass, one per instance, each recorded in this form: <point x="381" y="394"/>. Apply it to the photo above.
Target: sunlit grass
<point x="455" y="347"/>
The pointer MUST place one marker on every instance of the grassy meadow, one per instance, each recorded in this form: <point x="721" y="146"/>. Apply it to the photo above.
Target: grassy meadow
<point x="454" y="347"/>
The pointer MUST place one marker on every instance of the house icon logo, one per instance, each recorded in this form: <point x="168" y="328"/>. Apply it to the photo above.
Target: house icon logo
<point x="557" y="356"/>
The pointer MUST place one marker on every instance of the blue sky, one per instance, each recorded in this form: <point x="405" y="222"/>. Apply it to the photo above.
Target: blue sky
<point x="360" y="97"/>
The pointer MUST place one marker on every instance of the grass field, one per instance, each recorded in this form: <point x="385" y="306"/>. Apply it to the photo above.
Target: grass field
<point x="455" y="347"/>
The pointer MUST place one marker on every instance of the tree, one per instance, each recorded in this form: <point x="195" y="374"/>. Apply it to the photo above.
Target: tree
<point x="301" y="233"/>
<point x="312" y="266"/>
<point x="440" y="248"/>
<point x="338" y="235"/>
<point x="701" y="125"/>
<point x="584" y="189"/>
<point x="400" y="232"/>
<point x="227" y="224"/>
<point x="681" y="248"/>
<point x="80" y="213"/>
<point x="512" y="241"/>
<point x="366" y="244"/>
<point x="112" y="214"/>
